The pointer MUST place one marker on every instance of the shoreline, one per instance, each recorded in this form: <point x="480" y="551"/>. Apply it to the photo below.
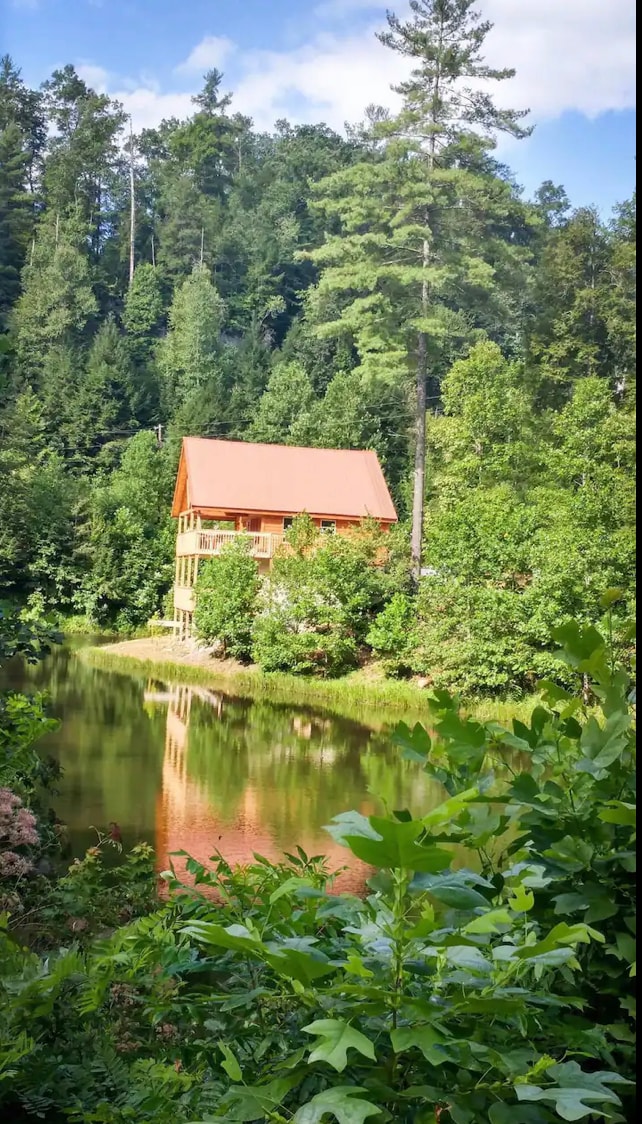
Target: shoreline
<point x="359" y="695"/>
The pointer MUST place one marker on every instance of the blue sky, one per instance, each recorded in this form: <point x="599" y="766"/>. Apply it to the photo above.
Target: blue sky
<point x="319" y="60"/>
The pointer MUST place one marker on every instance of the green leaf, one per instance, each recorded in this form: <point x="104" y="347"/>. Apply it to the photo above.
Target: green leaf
<point x="342" y="1102"/>
<point x="489" y="922"/>
<point x="453" y="888"/>
<point x="397" y="847"/>
<point x="522" y="900"/>
<point x="611" y="597"/>
<point x="335" y="1038"/>
<point x="350" y="824"/>
<point x="249" y="1103"/>
<point x="576" y="1094"/>
<point x="618" y="812"/>
<point x="230" y="1065"/>
<point x="432" y="1044"/>
<point x="235" y="937"/>
<point x="290" y="886"/>
<point x="592" y="898"/>
<point x="354" y="966"/>
<point x="299" y="964"/>
<point x="416" y="743"/>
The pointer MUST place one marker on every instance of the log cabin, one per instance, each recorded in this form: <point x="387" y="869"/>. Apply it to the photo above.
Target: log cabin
<point x="229" y="488"/>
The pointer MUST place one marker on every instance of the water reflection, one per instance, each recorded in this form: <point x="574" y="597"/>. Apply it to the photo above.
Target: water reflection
<point x="191" y="769"/>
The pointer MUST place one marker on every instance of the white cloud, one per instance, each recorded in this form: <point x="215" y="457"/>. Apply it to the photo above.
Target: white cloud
<point x="95" y="76"/>
<point x="331" y="80"/>
<point x="211" y="52"/>
<point x="148" y="106"/>
<point x="570" y="55"/>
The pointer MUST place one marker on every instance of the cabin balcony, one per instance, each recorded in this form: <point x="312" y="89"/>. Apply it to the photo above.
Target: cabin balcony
<point x="207" y="544"/>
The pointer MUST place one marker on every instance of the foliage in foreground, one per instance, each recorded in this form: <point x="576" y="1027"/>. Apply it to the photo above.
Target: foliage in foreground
<point x="500" y="991"/>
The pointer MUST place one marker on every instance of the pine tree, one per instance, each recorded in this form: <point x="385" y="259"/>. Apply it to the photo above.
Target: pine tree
<point x="83" y="160"/>
<point x="423" y="222"/>
<point x="57" y="301"/>
<point x="104" y="415"/>
<point x="189" y="357"/>
<point x="287" y="398"/>
<point x="15" y="216"/>
<point x="143" y="319"/>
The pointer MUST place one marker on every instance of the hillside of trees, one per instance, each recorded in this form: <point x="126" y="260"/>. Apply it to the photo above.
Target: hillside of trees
<point x="390" y="288"/>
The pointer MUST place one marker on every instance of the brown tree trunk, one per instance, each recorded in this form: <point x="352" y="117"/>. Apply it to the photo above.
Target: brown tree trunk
<point x="419" y="475"/>
<point x="132" y="205"/>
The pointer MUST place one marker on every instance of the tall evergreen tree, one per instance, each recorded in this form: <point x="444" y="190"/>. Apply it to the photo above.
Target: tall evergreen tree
<point x="15" y="217"/>
<point x="190" y="355"/>
<point x="105" y="416"/>
<point x="420" y="224"/>
<point x="83" y="155"/>
<point x="57" y="302"/>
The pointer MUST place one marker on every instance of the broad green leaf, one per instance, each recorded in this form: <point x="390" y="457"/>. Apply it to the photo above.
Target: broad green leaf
<point x="352" y="824"/>
<point x="234" y="936"/>
<point x="354" y="966"/>
<point x="415" y="743"/>
<point x="562" y="936"/>
<point x="343" y="1102"/>
<point x="467" y="957"/>
<point x="398" y="847"/>
<point x="451" y="808"/>
<point x="522" y="900"/>
<point x="576" y="1094"/>
<point x="290" y="886"/>
<point x="593" y="899"/>
<point x="230" y="1064"/>
<point x="253" y="1102"/>
<point x="571" y="853"/>
<point x="335" y="1038"/>
<point x="489" y="922"/>
<point x="432" y="1044"/>
<point x="299" y="964"/>
<point x="453" y="888"/>
<point x="611" y="597"/>
<point x="618" y="812"/>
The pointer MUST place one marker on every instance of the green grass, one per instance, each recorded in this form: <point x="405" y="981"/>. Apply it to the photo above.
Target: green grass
<point x="359" y="696"/>
<point x="80" y="625"/>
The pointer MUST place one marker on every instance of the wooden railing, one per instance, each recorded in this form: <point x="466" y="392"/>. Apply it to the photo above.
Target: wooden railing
<point x="205" y="544"/>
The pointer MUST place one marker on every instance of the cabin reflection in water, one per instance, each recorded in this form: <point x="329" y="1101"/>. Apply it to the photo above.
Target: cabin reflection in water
<point x="187" y="818"/>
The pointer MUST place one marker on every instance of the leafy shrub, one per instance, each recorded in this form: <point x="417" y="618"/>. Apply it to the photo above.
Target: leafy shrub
<point x="303" y="641"/>
<point x="469" y="638"/>
<point x="391" y="634"/>
<point x="226" y="599"/>
<point x="319" y="599"/>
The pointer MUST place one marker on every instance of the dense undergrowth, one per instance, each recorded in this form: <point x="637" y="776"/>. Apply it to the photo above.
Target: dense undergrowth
<point x="499" y="992"/>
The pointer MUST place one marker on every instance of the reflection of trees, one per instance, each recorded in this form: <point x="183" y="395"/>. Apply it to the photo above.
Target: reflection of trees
<point x="198" y="771"/>
<point x="110" y="747"/>
<point x="250" y="776"/>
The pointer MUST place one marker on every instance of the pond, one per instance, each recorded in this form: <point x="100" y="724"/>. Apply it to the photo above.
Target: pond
<point x="188" y="768"/>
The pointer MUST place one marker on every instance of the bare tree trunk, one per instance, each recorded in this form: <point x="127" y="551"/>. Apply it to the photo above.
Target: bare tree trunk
<point x="132" y="205"/>
<point x="419" y="475"/>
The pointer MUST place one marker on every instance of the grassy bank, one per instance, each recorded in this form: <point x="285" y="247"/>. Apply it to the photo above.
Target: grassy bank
<point x="79" y="625"/>
<point x="363" y="695"/>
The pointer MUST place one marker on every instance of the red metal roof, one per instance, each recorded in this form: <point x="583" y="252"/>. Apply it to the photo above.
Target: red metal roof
<point x="239" y="476"/>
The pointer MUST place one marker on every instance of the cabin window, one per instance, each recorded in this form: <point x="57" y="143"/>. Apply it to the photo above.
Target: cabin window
<point x="287" y="522"/>
<point x="328" y="526"/>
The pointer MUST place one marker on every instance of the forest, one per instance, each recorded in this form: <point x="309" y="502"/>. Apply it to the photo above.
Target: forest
<point x="394" y="289"/>
<point x="390" y="288"/>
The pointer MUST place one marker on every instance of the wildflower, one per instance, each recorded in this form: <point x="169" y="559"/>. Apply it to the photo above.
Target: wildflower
<point x="13" y="865"/>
